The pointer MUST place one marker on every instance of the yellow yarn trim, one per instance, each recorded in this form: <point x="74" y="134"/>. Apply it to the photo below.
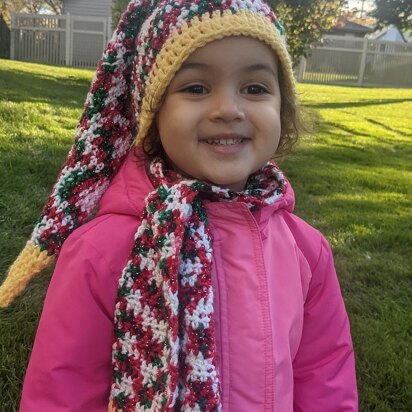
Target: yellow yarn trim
<point x="30" y="262"/>
<point x="111" y="408"/>
<point x="201" y="32"/>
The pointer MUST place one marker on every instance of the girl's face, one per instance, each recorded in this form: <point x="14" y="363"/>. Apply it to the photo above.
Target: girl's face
<point x="220" y="119"/>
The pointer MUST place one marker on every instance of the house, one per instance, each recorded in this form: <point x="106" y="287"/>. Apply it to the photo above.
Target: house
<point x="345" y="27"/>
<point x="392" y="33"/>
<point x="90" y="29"/>
<point x="95" y="8"/>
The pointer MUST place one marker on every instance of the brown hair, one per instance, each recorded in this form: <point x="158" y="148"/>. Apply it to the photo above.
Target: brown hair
<point x="292" y="123"/>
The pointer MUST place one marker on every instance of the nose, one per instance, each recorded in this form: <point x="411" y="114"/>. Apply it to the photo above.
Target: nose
<point x="226" y="107"/>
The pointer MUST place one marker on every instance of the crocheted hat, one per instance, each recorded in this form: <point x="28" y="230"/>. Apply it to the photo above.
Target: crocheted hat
<point x="148" y="47"/>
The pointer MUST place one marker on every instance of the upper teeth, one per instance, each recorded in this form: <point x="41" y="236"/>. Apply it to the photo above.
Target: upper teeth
<point x="224" y="141"/>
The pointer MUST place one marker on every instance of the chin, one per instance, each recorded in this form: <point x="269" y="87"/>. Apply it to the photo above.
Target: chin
<point x="237" y="184"/>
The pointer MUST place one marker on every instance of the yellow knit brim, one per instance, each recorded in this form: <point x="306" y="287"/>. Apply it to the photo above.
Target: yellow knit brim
<point x="199" y="33"/>
<point x="31" y="261"/>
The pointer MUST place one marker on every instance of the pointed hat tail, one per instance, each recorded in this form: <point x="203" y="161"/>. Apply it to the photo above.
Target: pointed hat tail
<point x="103" y="138"/>
<point x="30" y="262"/>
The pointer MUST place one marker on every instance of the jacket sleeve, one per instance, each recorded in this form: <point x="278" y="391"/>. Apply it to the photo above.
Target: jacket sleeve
<point x="70" y="365"/>
<point x="324" y="366"/>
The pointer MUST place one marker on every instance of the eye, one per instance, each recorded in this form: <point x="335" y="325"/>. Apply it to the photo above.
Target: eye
<point x="195" y="89"/>
<point x="255" y="89"/>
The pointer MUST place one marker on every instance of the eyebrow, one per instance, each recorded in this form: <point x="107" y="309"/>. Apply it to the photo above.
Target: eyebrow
<point x="252" y="67"/>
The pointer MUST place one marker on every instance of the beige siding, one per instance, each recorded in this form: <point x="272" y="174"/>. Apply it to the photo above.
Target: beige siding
<point x="88" y="7"/>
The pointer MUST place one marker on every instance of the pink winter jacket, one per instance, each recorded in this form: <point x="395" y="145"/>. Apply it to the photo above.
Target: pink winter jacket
<point x="282" y="331"/>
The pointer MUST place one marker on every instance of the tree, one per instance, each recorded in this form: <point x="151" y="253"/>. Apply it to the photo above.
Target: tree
<point x="306" y="21"/>
<point x="118" y="7"/>
<point x="396" y="12"/>
<point x="54" y="5"/>
<point x="28" y="6"/>
<point x="355" y="16"/>
<point x="7" y="6"/>
<point x="36" y="6"/>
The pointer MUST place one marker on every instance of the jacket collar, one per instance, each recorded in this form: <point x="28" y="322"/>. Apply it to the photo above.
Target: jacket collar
<point x="129" y="188"/>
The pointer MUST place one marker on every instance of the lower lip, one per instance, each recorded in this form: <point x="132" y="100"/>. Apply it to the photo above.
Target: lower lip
<point x="226" y="148"/>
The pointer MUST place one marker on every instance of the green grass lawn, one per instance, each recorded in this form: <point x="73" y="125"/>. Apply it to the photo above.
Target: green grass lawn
<point x="352" y="180"/>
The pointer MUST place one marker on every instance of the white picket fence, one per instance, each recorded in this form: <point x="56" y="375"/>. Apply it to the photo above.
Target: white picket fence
<point x="60" y="40"/>
<point x="361" y="62"/>
<point x="79" y="41"/>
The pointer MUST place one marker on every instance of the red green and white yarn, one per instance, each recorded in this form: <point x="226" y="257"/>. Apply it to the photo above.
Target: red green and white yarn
<point x="104" y="135"/>
<point x="169" y="17"/>
<point x="164" y="354"/>
<point x="112" y="111"/>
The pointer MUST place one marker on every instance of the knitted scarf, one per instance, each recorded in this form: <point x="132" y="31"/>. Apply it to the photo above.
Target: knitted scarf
<point x="164" y="354"/>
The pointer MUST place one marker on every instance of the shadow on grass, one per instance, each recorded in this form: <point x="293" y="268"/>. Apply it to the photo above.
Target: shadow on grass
<point x="41" y="88"/>
<point x="26" y="179"/>
<point x="336" y="161"/>
<point x="342" y="187"/>
<point x="317" y="124"/>
<point x="351" y="131"/>
<point x="387" y="127"/>
<point x="340" y="105"/>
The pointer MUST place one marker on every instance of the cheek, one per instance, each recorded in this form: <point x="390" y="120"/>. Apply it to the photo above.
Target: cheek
<point x="175" y="147"/>
<point x="270" y="123"/>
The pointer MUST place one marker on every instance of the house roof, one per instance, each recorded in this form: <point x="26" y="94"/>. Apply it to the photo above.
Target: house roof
<point x="347" y="26"/>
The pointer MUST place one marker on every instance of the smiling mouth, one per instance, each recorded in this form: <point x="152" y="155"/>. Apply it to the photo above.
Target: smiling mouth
<point x="225" y="142"/>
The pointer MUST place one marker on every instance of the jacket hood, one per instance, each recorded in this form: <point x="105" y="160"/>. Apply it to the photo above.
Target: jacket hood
<point x="129" y="188"/>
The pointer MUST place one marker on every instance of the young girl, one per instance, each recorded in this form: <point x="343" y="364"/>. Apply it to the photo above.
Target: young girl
<point x="221" y="298"/>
